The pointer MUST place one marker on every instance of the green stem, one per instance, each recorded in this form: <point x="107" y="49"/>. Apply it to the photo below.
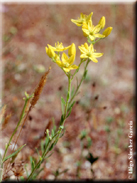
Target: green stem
<point x="43" y="155"/>
<point x="39" y="162"/>
<point x="77" y="69"/>
<point x="22" y="115"/>
<point x="96" y="41"/>
<point x="68" y="96"/>
<point x="80" y="81"/>
<point x="67" y="100"/>
<point x="64" y="118"/>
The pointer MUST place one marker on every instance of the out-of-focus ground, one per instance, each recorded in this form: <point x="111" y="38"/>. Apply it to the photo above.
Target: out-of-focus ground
<point x="27" y="29"/>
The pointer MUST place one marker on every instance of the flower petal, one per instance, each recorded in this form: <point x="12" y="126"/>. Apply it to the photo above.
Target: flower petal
<point x="82" y="49"/>
<point x="60" y="64"/>
<point x="97" y="54"/>
<point x="71" y="59"/>
<point x="73" y="67"/>
<point x="66" y="69"/>
<point x="93" y="59"/>
<point x="83" y="56"/>
<point x="96" y="29"/>
<point x="99" y="35"/>
<point x="64" y="58"/>
<point x="91" y="37"/>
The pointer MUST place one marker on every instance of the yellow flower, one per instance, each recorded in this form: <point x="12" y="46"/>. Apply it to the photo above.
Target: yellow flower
<point x="89" y="52"/>
<point x="83" y="18"/>
<point x="67" y="63"/>
<point x="107" y="31"/>
<point x="59" y="47"/>
<point x="91" y="31"/>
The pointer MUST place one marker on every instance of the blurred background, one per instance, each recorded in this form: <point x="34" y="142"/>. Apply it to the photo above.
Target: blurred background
<point x="105" y="103"/>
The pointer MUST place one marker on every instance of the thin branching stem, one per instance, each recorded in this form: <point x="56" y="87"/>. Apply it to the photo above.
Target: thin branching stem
<point x="76" y="91"/>
<point x="21" y="117"/>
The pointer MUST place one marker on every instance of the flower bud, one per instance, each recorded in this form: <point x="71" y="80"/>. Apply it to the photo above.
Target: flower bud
<point x="102" y="22"/>
<point x="50" y="52"/>
<point x="72" y="50"/>
<point x="107" y="31"/>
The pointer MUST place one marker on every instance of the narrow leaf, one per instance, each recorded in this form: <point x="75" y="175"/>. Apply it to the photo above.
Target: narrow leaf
<point x="46" y="141"/>
<point x="52" y="133"/>
<point x="69" y="112"/>
<point x="37" y="173"/>
<point x="71" y="105"/>
<point x="51" y="147"/>
<point x="42" y="146"/>
<point x="72" y="91"/>
<point x="62" y="108"/>
<point x="63" y="101"/>
<point x="62" y="118"/>
<point x="48" y="155"/>
<point x="32" y="163"/>
<point x="13" y="154"/>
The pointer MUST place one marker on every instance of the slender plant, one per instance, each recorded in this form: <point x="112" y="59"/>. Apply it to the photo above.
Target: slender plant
<point x="65" y="61"/>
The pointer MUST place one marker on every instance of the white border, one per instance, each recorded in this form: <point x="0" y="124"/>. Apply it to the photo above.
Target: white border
<point x="70" y="1"/>
<point x="1" y="68"/>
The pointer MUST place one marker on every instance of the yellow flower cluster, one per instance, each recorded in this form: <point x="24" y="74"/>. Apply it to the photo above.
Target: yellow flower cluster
<point x="66" y="62"/>
<point x="87" y="52"/>
<point x="89" y="30"/>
